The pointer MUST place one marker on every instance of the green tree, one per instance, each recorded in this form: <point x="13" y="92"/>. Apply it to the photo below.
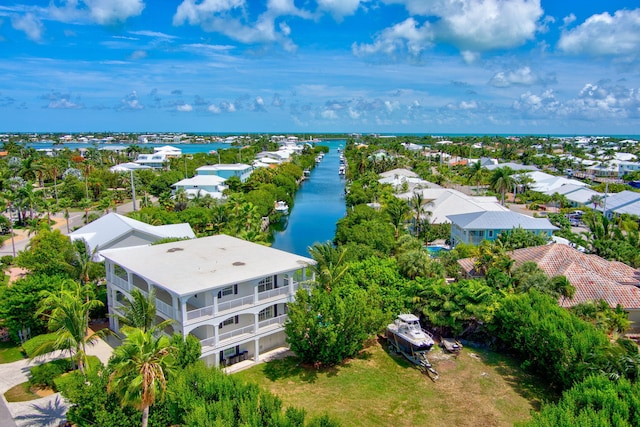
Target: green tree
<point x="48" y="252"/>
<point x="19" y="301"/>
<point x="330" y="264"/>
<point x="596" y="401"/>
<point x="518" y="238"/>
<point x="139" y="369"/>
<point x="501" y="181"/>
<point x="67" y="312"/>
<point x="325" y="328"/>
<point x="398" y="210"/>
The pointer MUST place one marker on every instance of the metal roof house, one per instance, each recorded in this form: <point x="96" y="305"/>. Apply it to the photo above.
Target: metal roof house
<point x="229" y="293"/>
<point x="577" y="195"/>
<point x="202" y="185"/>
<point x="440" y="203"/>
<point x="618" y="203"/>
<point x="117" y="231"/>
<point x="227" y="170"/>
<point x="475" y="227"/>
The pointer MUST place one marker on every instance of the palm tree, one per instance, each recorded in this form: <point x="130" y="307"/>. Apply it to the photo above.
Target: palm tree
<point x="65" y="204"/>
<point x="140" y="312"/>
<point x="330" y="263"/>
<point x="417" y="205"/>
<point x="31" y="168"/>
<point x="476" y="174"/>
<point x="67" y="311"/>
<point x="397" y="210"/>
<point x="597" y="200"/>
<point x="139" y="369"/>
<point x="501" y="181"/>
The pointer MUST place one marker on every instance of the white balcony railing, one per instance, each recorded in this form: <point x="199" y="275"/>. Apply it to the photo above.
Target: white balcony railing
<point x="235" y="333"/>
<point x="121" y="283"/>
<point x="164" y="308"/>
<point x="272" y="293"/>
<point x="235" y="303"/>
<point x="278" y="320"/>
<point x="208" y="342"/>
<point x="200" y="313"/>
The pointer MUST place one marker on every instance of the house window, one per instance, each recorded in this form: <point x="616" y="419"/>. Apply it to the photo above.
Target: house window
<point x="265" y="314"/>
<point x="227" y="291"/>
<point x="229" y="353"/>
<point x="489" y="233"/>
<point x="265" y="284"/>
<point x="230" y="321"/>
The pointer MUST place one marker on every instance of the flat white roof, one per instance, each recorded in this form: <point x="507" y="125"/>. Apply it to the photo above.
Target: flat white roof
<point x="188" y="267"/>
<point x="225" y="167"/>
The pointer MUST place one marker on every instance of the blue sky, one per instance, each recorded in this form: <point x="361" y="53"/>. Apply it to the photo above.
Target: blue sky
<point x="388" y="66"/>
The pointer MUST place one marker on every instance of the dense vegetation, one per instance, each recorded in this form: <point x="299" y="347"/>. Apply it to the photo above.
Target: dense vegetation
<point x="376" y="267"/>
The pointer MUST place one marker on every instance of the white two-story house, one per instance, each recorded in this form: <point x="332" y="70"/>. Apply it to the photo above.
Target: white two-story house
<point x="229" y="293"/>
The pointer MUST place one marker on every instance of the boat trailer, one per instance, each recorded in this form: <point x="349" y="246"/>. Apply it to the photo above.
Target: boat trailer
<point x="418" y="358"/>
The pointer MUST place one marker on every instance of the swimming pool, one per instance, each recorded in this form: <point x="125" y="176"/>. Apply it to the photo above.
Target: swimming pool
<point x="435" y="250"/>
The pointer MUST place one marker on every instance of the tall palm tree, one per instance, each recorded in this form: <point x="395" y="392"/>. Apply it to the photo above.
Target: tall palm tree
<point x="67" y="311"/>
<point x="397" y="210"/>
<point x="330" y="264"/>
<point x="140" y="312"/>
<point x="417" y="204"/>
<point x="501" y="181"/>
<point x="476" y="174"/>
<point x="139" y="369"/>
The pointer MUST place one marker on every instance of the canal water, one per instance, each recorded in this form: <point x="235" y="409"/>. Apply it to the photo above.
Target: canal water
<point x="319" y="204"/>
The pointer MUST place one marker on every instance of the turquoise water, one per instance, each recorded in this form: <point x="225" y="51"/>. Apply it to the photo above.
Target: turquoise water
<point x="319" y="204"/>
<point x="435" y="250"/>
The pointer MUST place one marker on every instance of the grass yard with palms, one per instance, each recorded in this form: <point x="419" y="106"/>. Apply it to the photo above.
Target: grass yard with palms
<point x="476" y="388"/>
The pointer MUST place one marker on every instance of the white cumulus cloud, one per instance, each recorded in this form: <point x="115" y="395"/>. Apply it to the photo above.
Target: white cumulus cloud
<point x="520" y="77"/>
<point x="114" y="11"/>
<point x="184" y="108"/>
<point x="30" y="25"/>
<point x="470" y="25"/>
<point x="409" y="35"/>
<point x="228" y="17"/>
<point x="339" y="8"/>
<point x="604" y="34"/>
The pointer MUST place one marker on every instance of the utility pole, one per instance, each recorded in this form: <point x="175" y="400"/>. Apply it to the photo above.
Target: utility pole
<point x="133" y="192"/>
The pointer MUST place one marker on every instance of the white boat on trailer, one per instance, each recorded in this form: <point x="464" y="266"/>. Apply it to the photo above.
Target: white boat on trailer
<point x="406" y="336"/>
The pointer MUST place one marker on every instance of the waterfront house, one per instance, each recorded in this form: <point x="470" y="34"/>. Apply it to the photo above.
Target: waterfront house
<point x="226" y="171"/>
<point x="593" y="277"/>
<point x="439" y="203"/>
<point x="475" y="227"/>
<point x="116" y="231"/>
<point x="229" y="293"/>
<point x="201" y="185"/>
<point x="160" y="157"/>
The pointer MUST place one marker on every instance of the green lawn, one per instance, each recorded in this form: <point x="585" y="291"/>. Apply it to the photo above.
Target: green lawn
<point x="477" y="388"/>
<point x="21" y="393"/>
<point x="10" y="352"/>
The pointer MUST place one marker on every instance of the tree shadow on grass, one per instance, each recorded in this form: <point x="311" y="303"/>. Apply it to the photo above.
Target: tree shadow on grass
<point x="49" y="413"/>
<point x="291" y="367"/>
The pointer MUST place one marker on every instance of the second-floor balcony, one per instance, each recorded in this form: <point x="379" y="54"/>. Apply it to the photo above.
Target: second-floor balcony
<point x="198" y="314"/>
<point x="243" y="333"/>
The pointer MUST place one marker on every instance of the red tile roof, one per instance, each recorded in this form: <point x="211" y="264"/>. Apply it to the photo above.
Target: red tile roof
<point x="593" y="277"/>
